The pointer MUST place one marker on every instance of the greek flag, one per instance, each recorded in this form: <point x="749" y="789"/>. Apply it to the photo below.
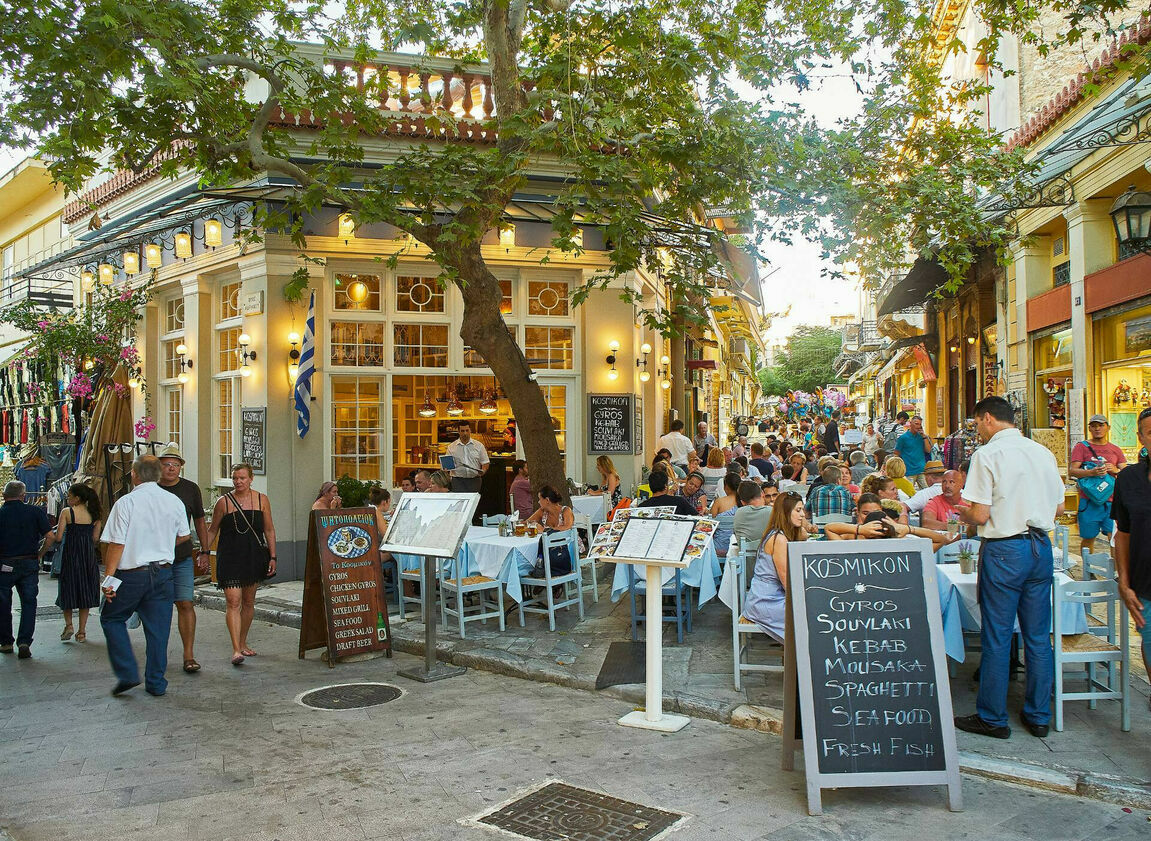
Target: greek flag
<point x="304" y="377"/>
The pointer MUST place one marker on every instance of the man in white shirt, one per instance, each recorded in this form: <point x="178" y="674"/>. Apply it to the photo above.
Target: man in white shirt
<point x="1015" y="492"/>
<point x="933" y="474"/>
<point x="676" y="443"/>
<point x="141" y="535"/>
<point x="471" y="458"/>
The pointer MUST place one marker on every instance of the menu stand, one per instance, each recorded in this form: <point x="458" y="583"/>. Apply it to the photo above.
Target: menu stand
<point x="653" y="717"/>
<point x="431" y="670"/>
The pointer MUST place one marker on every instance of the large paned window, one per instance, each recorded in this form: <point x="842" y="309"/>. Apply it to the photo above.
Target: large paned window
<point x="227" y="390"/>
<point x="358" y="343"/>
<point x="174" y="413"/>
<point x="549" y="347"/>
<point x="174" y="315"/>
<point x="171" y="359"/>
<point x="556" y="398"/>
<point x="229" y="303"/>
<point x="358" y="428"/>
<point x="225" y="424"/>
<point x="549" y="297"/>
<point x="420" y="345"/>
<point x="419" y="294"/>
<point x="229" y="349"/>
<point x="358" y="292"/>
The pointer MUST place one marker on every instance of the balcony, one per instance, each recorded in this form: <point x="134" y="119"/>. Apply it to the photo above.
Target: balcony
<point x="49" y="294"/>
<point x="863" y="335"/>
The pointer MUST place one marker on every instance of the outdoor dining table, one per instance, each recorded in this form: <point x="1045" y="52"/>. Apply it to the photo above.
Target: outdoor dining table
<point x="949" y="552"/>
<point x="959" y="606"/>
<point x="484" y="552"/>
<point x="592" y="505"/>
<point x="700" y="573"/>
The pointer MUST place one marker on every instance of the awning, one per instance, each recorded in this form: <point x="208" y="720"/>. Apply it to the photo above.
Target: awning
<point x="914" y="287"/>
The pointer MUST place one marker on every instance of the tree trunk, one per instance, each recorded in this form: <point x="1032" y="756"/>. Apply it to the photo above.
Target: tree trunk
<point x="484" y="330"/>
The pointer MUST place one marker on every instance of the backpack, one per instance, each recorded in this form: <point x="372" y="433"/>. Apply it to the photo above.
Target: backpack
<point x="892" y="436"/>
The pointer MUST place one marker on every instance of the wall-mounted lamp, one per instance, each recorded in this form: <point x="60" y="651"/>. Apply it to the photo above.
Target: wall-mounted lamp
<point x="87" y="280"/>
<point x="213" y="233"/>
<point x="153" y="255"/>
<point x="107" y="273"/>
<point x="135" y="378"/>
<point x="293" y="357"/>
<point x="245" y="355"/>
<point x="183" y="245"/>
<point x="185" y="363"/>
<point x="347" y="228"/>
<point x="644" y="374"/>
<point x="508" y="236"/>
<point x="971" y="331"/>
<point x="131" y="262"/>
<point x="613" y="349"/>
<point x="665" y="372"/>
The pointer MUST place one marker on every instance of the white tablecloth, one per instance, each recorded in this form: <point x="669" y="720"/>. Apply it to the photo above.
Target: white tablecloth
<point x="592" y="505"/>
<point x="959" y="605"/>
<point x="484" y="552"/>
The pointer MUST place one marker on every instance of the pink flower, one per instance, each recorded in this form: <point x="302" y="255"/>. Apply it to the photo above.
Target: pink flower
<point x="126" y="295"/>
<point x="101" y="339"/>
<point x="120" y="389"/>
<point x="145" y="427"/>
<point x="43" y="325"/>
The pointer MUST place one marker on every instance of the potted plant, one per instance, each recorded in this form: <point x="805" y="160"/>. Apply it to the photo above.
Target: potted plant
<point x="966" y="557"/>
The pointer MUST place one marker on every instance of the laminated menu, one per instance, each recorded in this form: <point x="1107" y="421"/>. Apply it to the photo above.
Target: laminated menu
<point x="655" y="534"/>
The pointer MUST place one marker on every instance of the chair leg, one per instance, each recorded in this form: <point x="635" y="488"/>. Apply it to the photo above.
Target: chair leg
<point x="1125" y="690"/>
<point x="1092" y="703"/>
<point x="460" y="605"/>
<point x="1058" y="694"/>
<point x="594" y="585"/>
<point x="551" y="607"/>
<point x="634" y="617"/>
<point x="678" y="616"/>
<point x="500" y="605"/>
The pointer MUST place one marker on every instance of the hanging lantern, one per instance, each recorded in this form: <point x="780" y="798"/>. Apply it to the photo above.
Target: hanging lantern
<point x="131" y="263"/>
<point x="87" y="280"/>
<point x="183" y="245"/>
<point x="427" y="410"/>
<point x="213" y="233"/>
<point x="153" y="255"/>
<point x="357" y="291"/>
<point x="508" y="236"/>
<point x="107" y="273"/>
<point x="347" y="227"/>
<point x="488" y="406"/>
<point x="455" y="407"/>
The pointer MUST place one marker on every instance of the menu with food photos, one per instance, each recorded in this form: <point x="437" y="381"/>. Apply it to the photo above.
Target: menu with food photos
<point x="653" y="533"/>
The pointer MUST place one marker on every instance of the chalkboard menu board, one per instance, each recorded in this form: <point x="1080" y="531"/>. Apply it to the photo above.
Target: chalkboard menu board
<point x="609" y="423"/>
<point x="344" y="575"/>
<point x="253" y="437"/>
<point x="874" y="694"/>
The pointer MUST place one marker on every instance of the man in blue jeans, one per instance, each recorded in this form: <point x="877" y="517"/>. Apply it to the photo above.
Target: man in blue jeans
<point x="22" y="527"/>
<point x="142" y="531"/>
<point x="1015" y="493"/>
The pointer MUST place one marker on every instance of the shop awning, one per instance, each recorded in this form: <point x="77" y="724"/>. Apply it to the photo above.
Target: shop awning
<point x="915" y="287"/>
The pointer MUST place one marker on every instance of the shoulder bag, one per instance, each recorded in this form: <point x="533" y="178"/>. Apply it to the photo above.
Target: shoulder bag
<point x="1098" y="489"/>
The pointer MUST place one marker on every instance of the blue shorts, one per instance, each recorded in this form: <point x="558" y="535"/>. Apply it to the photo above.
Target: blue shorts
<point x="1094" y="519"/>
<point x="183" y="580"/>
<point x="1145" y="631"/>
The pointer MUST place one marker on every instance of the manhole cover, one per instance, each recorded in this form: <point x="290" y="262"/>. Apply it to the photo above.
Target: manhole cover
<point x="559" y="811"/>
<point x="349" y="696"/>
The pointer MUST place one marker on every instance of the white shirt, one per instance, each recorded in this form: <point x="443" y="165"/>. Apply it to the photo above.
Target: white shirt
<point x="470" y="457"/>
<point x="146" y="522"/>
<point x="1019" y="480"/>
<point x="921" y="498"/>
<point x="678" y="444"/>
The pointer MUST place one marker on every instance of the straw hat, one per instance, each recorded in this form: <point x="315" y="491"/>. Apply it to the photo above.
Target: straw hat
<point x="171" y="451"/>
<point x="934" y="467"/>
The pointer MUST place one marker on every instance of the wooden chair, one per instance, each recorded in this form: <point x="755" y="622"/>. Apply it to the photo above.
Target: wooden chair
<point x="1108" y="647"/>
<point x="742" y="628"/>
<point x="674" y="587"/>
<point x="544" y="601"/>
<point x="583" y="523"/>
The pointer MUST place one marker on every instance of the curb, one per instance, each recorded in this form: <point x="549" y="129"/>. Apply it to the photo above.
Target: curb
<point x="746" y="716"/>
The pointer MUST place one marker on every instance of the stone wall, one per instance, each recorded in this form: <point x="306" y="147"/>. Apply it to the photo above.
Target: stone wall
<point x="1042" y="77"/>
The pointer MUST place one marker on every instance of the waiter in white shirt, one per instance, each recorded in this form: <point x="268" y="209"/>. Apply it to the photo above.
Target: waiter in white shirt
<point x="142" y="531"/>
<point x="471" y="461"/>
<point x="1015" y="493"/>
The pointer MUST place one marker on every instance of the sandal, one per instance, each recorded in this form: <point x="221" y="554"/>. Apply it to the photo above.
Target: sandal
<point x="238" y="660"/>
<point x="67" y="634"/>
<point x="80" y="637"/>
<point x="191" y="666"/>
<point x="247" y="652"/>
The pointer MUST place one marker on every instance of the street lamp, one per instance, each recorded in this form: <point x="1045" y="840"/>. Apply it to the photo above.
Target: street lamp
<point x="1131" y="214"/>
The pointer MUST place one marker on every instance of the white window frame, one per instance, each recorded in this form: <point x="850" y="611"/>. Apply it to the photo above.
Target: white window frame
<point x="236" y="377"/>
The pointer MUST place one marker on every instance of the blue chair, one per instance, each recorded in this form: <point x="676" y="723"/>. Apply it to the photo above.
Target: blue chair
<point x="676" y="588"/>
<point x="490" y="520"/>
<point x="544" y="600"/>
<point x="392" y="584"/>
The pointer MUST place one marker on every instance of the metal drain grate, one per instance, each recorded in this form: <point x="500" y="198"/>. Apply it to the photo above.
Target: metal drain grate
<point x="350" y="696"/>
<point x="560" y="811"/>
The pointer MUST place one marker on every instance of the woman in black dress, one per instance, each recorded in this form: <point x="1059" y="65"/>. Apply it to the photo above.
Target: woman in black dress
<point x="79" y="528"/>
<point x="245" y="554"/>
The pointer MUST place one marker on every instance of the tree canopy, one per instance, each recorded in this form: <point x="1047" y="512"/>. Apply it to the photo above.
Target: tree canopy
<point x="806" y="364"/>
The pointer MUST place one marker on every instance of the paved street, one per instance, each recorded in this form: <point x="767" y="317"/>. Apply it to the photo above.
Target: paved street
<point x="229" y="754"/>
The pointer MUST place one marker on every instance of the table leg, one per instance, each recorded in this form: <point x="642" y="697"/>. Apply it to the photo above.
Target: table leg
<point x="431" y="670"/>
<point x="653" y="717"/>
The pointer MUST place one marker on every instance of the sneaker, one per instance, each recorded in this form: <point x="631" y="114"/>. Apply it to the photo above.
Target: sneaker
<point x="123" y="686"/>
<point x="974" y="724"/>
<point x="1035" y="729"/>
<point x="25" y="652"/>
<point x="6" y="649"/>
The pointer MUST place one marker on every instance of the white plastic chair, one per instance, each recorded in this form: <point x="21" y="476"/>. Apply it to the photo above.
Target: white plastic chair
<point x="744" y="561"/>
<point x="583" y="523"/>
<point x="544" y="601"/>
<point x="1108" y="647"/>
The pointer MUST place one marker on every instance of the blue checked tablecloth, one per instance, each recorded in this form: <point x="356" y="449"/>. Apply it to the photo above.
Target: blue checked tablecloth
<point x="959" y="606"/>
<point x="701" y="573"/>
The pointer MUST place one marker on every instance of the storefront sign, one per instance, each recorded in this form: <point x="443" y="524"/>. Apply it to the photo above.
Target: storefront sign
<point x="869" y="661"/>
<point x="254" y="303"/>
<point x="990" y="376"/>
<point x="253" y="438"/>
<point x="609" y="424"/>
<point x="924" y="359"/>
<point x="639" y="451"/>
<point x="343" y="575"/>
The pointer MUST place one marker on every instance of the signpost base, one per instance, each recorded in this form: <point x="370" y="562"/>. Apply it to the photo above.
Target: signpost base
<point x="654" y="718"/>
<point x="431" y="670"/>
<point x="666" y="723"/>
<point x="437" y="672"/>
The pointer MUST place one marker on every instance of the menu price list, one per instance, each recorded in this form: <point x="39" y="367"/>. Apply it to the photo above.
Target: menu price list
<point x="873" y="674"/>
<point x="355" y="617"/>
